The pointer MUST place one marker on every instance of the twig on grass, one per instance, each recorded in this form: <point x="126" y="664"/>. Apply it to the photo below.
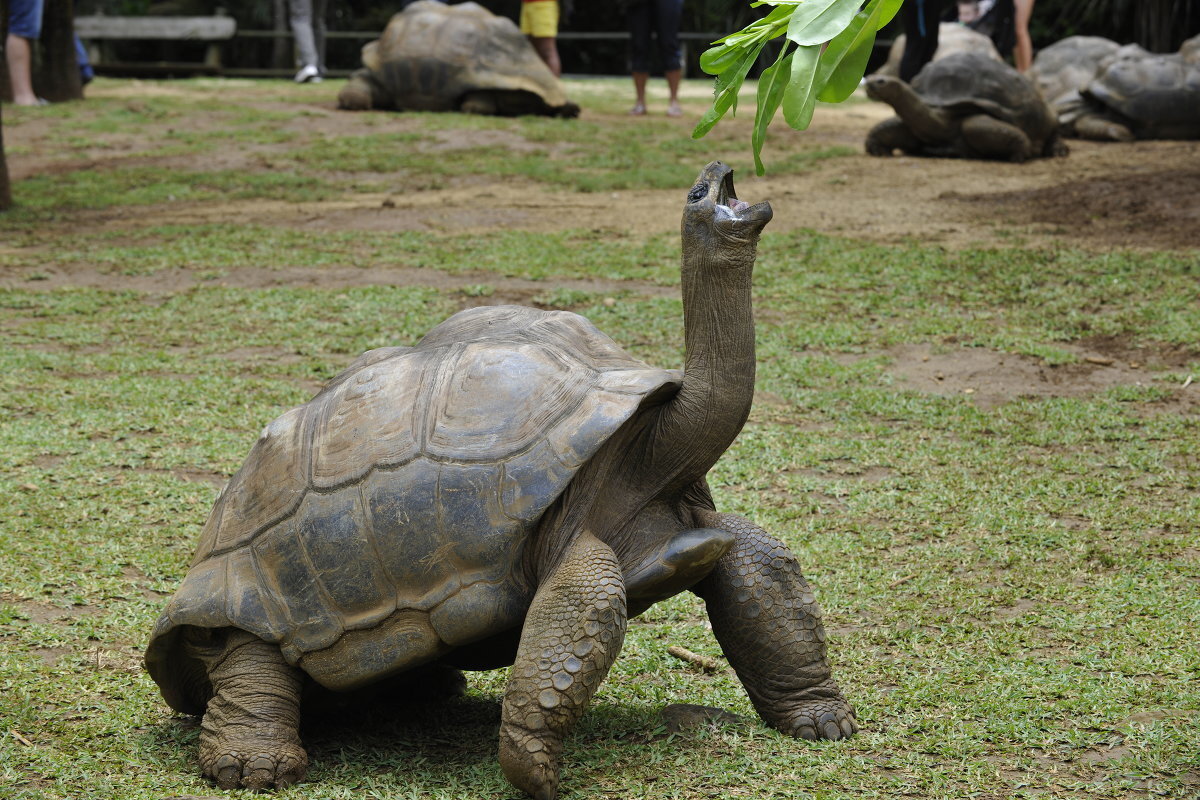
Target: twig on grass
<point x="704" y="662"/>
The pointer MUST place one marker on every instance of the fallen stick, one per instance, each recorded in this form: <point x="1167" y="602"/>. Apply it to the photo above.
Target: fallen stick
<point x="703" y="662"/>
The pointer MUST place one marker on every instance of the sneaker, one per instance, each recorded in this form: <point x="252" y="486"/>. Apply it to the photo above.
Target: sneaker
<point x="308" y="74"/>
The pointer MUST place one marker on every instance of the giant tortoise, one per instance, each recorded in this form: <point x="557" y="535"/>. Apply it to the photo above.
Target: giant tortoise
<point x="508" y="491"/>
<point x="437" y="57"/>
<point x="965" y="105"/>
<point x="1063" y="68"/>
<point x="1140" y="96"/>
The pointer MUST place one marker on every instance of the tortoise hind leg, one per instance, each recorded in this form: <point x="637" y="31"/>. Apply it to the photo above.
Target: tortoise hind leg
<point x="573" y="632"/>
<point x="768" y="624"/>
<point x="249" y="736"/>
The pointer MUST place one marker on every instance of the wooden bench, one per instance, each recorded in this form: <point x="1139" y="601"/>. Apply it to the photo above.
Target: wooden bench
<point x="97" y="31"/>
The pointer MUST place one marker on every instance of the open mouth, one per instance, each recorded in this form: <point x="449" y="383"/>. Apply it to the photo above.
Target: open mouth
<point x="727" y="197"/>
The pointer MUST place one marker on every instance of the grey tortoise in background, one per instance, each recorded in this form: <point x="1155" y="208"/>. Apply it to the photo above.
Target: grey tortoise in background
<point x="1103" y="91"/>
<point x="510" y="491"/>
<point x="438" y="57"/>
<point x="953" y="37"/>
<point x="965" y="105"/>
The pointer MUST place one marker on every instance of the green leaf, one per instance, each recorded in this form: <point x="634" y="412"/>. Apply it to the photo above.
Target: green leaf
<point x="771" y="85"/>
<point x="716" y="60"/>
<point x="800" y="97"/>
<point x="845" y="59"/>
<point x="818" y="22"/>
<point x="727" y="85"/>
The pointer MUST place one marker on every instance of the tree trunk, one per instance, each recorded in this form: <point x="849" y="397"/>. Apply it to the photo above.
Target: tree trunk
<point x="5" y="84"/>
<point x="56" y="74"/>
<point x="5" y="192"/>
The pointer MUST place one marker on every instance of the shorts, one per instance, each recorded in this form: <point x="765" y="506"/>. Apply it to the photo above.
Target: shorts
<point x="25" y="18"/>
<point x="539" y="18"/>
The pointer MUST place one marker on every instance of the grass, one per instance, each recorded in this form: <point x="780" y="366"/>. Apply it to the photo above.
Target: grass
<point x="1011" y="591"/>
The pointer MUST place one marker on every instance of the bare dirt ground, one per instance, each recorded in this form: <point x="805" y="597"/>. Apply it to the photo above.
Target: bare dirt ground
<point x="1143" y="195"/>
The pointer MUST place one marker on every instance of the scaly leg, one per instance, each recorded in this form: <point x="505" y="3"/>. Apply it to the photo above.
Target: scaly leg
<point x="890" y="135"/>
<point x="250" y="732"/>
<point x="993" y="138"/>
<point x="1102" y="129"/>
<point x="768" y="623"/>
<point x="572" y="634"/>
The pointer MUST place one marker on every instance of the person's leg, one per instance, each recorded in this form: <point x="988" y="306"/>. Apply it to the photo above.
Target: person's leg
<point x="1023" y="49"/>
<point x="318" y="24"/>
<point x="639" y="52"/>
<point x="86" y="73"/>
<point x="19" y="55"/>
<point x="24" y="28"/>
<point x="301" y="13"/>
<point x="920" y="18"/>
<point x="667" y="14"/>
<point x="539" y="22"/>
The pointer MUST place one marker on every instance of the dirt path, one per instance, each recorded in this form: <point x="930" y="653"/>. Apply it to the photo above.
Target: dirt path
<point x="1102" y="196"/>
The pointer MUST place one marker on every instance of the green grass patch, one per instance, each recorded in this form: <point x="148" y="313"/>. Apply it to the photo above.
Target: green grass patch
<point x="1011" y="590"/>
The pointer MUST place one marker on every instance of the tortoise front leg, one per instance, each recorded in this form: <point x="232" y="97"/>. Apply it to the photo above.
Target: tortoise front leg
<point x="891" y="135"/>
<point x="1102" y="129"/>
<point x="249" y="736"/>
<point x="572" y="634"/>
<point x="768" y="624"/>
<point x="993" y="138"/>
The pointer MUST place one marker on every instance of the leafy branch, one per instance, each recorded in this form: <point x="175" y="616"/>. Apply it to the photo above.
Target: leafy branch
<point x="823" y="58"/>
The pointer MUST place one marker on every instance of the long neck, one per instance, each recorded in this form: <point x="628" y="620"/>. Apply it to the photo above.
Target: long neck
<point x="666" y="451"/>
<point x="927" y="124"/>
<point x="702" y="420"/>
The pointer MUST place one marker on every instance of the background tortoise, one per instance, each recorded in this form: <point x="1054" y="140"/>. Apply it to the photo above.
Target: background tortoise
<point x="1062" y="69"/>
<point x="965" y="105"/>
<point x="953" y="37"/>
<point x="1141" y="96"/>
<point x="506" y="492"/>
<point x="437" y="57"/>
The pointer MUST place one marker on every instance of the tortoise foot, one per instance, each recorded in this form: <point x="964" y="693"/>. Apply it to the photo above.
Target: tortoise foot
<point x="529" y="760"/>
<point x="824" y="718"/>
<point x="258" y="763"/>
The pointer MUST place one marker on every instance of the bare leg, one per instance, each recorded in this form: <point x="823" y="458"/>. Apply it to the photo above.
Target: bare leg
<point x="19" y="56"/>
<point x="673" y="76"/>
<point x="768" y="623"/>
<point x="572" y="635"/>
<point x="1023" y="50"/>
<point x="547" y="48"/>
<point x="993" y="138"/>
<point x="250" y="732"/>
<point x="639" y="89"/>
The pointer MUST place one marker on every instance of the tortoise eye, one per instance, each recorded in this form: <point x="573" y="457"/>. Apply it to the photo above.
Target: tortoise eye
<point x="698" y="192"/>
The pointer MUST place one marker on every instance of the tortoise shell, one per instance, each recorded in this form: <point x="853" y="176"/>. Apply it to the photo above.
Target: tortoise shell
<point x="971" y="83"/>
<point x="432" y="54"/>
<point x="1069" y="64"/>
<point x="382" y="524"/>
<point x="1159" y="95"/>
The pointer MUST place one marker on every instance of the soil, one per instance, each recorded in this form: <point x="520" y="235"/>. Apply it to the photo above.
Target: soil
<point x="1140" y="195"/>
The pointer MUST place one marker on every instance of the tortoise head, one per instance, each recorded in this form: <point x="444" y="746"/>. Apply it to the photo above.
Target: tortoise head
<point x="714" y="218"/>
<point x="884" y="88"/>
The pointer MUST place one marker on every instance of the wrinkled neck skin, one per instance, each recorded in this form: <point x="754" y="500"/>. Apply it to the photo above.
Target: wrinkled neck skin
<point x="927" y="124"/>
<point x="642" y="484"/>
